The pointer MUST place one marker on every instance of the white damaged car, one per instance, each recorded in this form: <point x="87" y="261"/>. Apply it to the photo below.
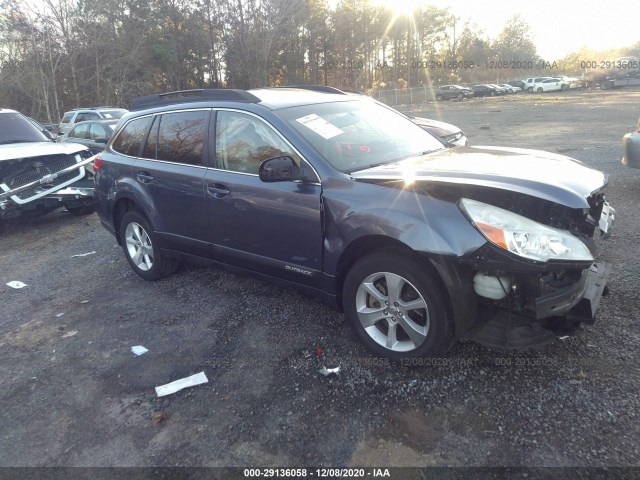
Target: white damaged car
<point x="38" y="175"/>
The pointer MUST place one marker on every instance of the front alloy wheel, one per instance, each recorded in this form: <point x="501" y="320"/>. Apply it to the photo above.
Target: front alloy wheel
<point x="396" y="306"/>
<point x="392" y="312"/>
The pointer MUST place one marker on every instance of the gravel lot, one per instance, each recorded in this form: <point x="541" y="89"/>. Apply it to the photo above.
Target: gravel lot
<point x="73" y="394"/>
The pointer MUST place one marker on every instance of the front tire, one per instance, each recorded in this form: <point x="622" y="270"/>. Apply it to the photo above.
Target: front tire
<point x="141" y="248"/>
<point x="540" y="90"/>
<point x="439" y="98"/>
<point x="396" y="307"/>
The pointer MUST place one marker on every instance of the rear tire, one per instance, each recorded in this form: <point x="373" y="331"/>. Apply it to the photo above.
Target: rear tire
<point x="141" y="248"/>
<point x="439" y="98"/>
<point x="460" y="96"/>
<point x="540" y="90"/>
<point x="396" y="307"/>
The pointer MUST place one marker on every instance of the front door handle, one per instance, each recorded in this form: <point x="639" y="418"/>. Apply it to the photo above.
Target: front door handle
<point x="217" y="190"/>
<point x="144" y="177"/>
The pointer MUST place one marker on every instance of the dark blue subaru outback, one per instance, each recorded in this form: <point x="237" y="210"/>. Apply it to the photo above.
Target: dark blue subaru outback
<point x="348" y="200"/>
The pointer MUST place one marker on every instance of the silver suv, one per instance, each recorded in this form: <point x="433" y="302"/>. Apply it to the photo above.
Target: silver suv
<point x="76" y="115"/>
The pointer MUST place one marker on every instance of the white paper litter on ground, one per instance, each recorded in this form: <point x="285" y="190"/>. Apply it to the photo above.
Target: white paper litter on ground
<point x="139" y="350"/>
<point x="83" y="254"/>
<point x="70" y="334"/>
<point x="173" y="387"/>
<point x="58" y="315"/>
<point x="16" y="284"/>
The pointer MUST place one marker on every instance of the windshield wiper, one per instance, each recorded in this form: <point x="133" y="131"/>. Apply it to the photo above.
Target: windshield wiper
<point x="420" y="154"/>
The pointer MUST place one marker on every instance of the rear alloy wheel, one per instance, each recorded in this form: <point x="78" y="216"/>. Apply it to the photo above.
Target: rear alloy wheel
<point x="141" y="249"/>
<point x="396" y="307"/>
<point x="460" y="96"/>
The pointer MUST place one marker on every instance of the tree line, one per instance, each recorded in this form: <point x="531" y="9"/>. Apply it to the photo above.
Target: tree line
<point x="61" y="54"/>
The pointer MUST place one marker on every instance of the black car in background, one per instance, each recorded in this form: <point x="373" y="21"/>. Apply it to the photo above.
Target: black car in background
<point x="447" y="92"/>
<point x="93" y="134"/>
<point x="484" y="90"/>
<point x="449" y="135"/>
<point x="348" y="200"/>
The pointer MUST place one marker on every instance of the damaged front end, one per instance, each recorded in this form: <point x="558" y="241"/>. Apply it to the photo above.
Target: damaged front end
<point x="536" y="281"/>
<point x="37" y="179"/>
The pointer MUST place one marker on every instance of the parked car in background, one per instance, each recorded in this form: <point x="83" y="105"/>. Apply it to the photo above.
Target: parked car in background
<point x="572" y="82"/>
<point x="92" y="134"/>
<point x="346" y="199"/>
<point x="76" y="115"/>
<point x="38" y="175"/>
<point x="511" y="88"/>
<point x="484" y="90"/>
<point x="550" y="85"/>
<point x="447" y="92"/>
<point x="518" y="83"/>
<point x="449" y="135"/>
<point x="531" y="80"/>
<point x="631" y="148"/>
<point x="499" y="88"/>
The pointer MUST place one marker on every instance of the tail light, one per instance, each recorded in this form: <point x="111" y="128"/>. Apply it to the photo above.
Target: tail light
<point x="97" y="164"/>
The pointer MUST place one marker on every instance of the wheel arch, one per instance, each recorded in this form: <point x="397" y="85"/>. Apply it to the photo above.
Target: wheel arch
<point x="456" y="281"/>
<point x="123" y="205"/>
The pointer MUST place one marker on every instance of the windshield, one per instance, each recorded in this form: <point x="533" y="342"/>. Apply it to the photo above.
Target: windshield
<point x="359" y="134"/>
<point x="15" y="128"/>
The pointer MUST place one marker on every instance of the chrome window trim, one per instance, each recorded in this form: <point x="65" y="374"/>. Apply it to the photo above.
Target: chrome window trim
<point x="115" y="137"/>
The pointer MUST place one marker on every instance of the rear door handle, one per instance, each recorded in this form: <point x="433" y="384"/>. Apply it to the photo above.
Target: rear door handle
<point x="217" y="190"/>
<point x="144" y="177"/>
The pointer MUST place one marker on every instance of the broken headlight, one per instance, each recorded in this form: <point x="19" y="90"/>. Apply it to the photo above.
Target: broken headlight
<point x="523" y="236"/>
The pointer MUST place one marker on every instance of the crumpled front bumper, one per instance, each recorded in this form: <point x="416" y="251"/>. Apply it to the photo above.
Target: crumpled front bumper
<point x="579" y="301"/>
<point x="79" y="187"/>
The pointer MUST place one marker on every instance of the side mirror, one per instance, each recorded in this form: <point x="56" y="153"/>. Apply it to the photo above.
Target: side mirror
<point x="279" y="169"/>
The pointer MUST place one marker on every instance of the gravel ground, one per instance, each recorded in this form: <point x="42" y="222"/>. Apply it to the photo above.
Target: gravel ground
<point x="72" y="394"/>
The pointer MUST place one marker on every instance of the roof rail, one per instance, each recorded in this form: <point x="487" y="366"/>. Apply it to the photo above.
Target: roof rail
<point x="194" y="95"/>
<point x="316" y="88"/>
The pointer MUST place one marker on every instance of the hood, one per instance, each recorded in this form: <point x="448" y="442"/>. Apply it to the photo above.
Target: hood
<point x="544" y="175"/>
<point x="14" y="151"/>
<point x="427" y="122"/>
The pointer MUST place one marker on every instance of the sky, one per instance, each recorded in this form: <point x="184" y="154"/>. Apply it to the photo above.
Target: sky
<point x="559" y="27"/>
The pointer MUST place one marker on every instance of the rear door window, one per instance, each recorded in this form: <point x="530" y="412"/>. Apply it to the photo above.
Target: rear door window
<point x="181" y="137"/>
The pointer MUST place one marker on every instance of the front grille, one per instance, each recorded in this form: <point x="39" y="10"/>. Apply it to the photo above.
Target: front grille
<point x="41" y="167"/>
